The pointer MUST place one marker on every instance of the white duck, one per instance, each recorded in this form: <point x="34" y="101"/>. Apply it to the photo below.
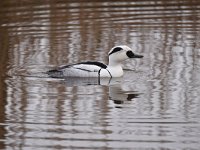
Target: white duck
<point x="97" y="69"/>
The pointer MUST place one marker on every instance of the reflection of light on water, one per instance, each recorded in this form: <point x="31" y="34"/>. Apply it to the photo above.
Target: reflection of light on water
<point x="42" y="113"/>
<point x="119" y="96"/>
<point x="116" y="93"/>
<point x="173" y="82"/>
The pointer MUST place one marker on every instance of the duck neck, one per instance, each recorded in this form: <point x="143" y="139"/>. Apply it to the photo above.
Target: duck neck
<point x="115" y="68"/>
<point x="114" y="65"/>
<point x="113" y="62"/>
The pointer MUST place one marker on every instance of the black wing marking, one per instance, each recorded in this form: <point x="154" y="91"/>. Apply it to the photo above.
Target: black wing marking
<point x="86" y="70"/>
<point x="58" y="72"/>
<point x="95" y="63"/>
<point x="99" y="64"/>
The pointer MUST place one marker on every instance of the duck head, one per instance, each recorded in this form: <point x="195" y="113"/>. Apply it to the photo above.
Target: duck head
<point x="120" y="53"/>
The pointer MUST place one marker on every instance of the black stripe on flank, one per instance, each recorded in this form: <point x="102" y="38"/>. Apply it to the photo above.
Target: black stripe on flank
<point x="99" y="73"/>
<point x="85" y="69"/>
<point x="109" y="73"/>
<point x="116" y="49"/>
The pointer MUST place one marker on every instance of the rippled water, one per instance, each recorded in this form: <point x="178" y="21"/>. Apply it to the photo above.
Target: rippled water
<point x="156" y="104"/>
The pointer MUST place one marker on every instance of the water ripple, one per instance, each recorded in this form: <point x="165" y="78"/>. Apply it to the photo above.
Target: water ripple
<point x="154" y="106"/>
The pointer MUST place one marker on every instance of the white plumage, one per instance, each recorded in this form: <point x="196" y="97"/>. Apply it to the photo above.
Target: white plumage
<point x="97" y="69"/>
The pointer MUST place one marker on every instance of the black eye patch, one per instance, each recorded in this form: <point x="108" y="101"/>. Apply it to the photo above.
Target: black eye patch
<point x="130" y="54"/>
<point x="116" y="49"/>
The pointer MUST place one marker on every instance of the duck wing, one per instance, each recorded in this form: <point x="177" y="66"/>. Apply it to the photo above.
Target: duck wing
<point x="89" y="68"/>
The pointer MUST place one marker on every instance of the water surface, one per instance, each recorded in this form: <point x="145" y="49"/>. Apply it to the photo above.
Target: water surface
<point x="155" y="105"/>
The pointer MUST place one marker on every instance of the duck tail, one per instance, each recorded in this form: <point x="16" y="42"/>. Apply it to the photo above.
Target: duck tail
<point x="54" y="73"/>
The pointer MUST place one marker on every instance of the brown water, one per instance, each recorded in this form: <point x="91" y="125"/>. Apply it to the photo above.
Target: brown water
<point x="156" y="105"/>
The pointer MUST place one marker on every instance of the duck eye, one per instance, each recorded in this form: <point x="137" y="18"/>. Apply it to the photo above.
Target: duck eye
<point x="130" y="54"/>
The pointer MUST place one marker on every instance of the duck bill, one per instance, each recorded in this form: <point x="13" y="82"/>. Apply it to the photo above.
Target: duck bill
<point x="137" y="56"/>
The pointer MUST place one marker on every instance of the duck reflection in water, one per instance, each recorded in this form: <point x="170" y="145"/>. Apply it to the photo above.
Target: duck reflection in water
<point x="116" y="93"/>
